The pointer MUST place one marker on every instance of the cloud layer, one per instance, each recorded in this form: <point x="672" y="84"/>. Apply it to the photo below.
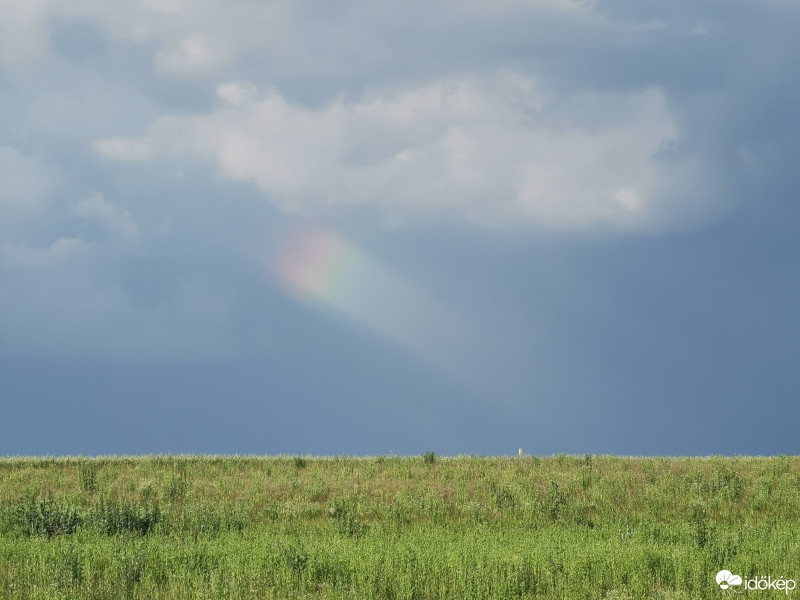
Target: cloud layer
<point x="138" y="136"/>
<point x="562" y="114"/>
<point x="491" y="151"/>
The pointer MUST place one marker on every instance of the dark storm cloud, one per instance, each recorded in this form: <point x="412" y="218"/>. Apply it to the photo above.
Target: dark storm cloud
<point x="608" y="188"/>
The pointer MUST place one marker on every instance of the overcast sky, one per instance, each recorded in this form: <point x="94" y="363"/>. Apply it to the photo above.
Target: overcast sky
<point x="352" y="227"/>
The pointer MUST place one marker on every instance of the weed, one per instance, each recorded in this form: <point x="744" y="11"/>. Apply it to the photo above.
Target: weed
<point x="47" y="517"/>
<point x="87" y="476"/>
<point x="699" y="523"/>
<point x="347" y="518"/>
<point x="492" y="528"/>
<point x="176" y="488"/>
<point x="295" y="558"/>
<point x="112" y="517"/>
<point x="502" y="496"/>
<point x="555" y="501"/>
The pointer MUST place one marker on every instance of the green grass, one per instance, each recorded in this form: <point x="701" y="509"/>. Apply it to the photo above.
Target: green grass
<point x="425" y="527"/>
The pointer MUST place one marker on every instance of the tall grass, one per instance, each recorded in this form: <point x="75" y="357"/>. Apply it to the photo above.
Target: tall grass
<point x="425" y="527"/>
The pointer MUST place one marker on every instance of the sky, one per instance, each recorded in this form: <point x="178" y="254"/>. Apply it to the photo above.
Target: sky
<point x="467" y="227"/>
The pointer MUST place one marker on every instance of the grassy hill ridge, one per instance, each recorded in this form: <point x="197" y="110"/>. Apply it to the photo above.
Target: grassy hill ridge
<point x="393" y="527"/>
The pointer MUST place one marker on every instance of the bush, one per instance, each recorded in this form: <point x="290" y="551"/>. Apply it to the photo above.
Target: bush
<point x="429" y="458"/>
<point x="117" y="517"/>
<point x="87" y="476"/>
<point x="47" y="517"/>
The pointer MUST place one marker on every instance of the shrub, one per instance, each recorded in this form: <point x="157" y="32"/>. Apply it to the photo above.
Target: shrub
<point x="87" y="476"/>
<point x="113" y="517"/>
<point x="47" y="517"/>
<point x="429" y="458"/>
<point x="176" y="488"/>
<point x="502" y="496"/>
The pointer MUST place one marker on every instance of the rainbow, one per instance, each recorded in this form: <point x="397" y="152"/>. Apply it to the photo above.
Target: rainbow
<point x="318" y="266"/>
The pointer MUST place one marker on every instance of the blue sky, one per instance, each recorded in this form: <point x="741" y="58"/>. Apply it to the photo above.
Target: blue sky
<point x="466" y="227"/>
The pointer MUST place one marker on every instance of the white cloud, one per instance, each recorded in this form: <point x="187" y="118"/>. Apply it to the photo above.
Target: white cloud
<point x="23" y="256"/>
<point x="237" y="93"/>
<point x="25" y="182"/>
<point x="21" y="34"/>
<point x="490" y="150"/>
<point x="194" y="55"/>
<point x="166" y="7"/>
<point x="96" y="207"/>
<point x="124" y="149"/>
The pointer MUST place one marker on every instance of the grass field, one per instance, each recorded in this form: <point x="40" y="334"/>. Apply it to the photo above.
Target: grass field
<point x="395" y="527"/>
